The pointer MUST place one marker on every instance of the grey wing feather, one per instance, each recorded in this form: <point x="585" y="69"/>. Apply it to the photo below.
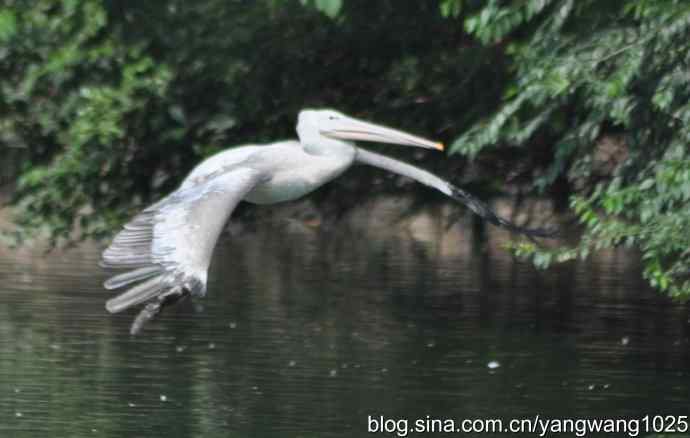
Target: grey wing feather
<point x="138" y="294"/>
<point x="169" y="244"/>
<point x="431" y="180"/>
<point x="126" y="278"/>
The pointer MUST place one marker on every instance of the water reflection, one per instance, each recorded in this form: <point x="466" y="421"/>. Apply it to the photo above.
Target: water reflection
<point x="307" y="330"/>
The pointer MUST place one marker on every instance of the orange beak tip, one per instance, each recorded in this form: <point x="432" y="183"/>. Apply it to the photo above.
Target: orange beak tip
<point x="440" y="146"/>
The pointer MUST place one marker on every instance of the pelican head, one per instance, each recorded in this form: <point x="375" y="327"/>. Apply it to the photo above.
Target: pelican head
<point x="320" y="126"/>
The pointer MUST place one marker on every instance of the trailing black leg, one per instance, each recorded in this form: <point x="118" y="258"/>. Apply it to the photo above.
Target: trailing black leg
<point x="152" y="309"/>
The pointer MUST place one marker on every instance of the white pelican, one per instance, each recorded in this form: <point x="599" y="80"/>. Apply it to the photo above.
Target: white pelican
<point x="166" y="249"/>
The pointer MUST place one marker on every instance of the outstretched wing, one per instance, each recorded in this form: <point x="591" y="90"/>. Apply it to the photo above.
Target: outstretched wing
<point x="431" y="180"/>
<point x="167" y="248"/>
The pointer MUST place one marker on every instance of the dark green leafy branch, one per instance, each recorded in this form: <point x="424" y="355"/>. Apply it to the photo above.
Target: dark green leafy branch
<point x="607" y="84"/>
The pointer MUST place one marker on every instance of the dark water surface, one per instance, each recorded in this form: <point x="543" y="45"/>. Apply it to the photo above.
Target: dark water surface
<point x="307" y="331"/>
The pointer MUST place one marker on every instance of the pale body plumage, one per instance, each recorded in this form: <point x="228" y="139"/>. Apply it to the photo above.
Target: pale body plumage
<point x="294" y="172"/>
<point x="168" y="247"/>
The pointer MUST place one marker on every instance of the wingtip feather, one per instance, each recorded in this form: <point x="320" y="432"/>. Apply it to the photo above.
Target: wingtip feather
<point x="136" y="295"/>
<point x="483" y="210"/>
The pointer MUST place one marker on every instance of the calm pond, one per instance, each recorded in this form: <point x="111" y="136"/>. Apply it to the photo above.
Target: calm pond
<point x="307" y="331"/>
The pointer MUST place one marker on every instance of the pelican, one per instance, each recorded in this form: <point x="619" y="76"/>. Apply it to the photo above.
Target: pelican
<point x="166" y="249"/>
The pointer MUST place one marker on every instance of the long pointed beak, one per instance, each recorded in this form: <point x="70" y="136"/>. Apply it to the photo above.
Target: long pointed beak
<point x="353" y="129"/>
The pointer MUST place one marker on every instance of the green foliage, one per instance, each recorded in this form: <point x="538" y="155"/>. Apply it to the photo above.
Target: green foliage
<point x="68" y="93"/>
<point x="113" y="102"/>
<point x="8" y="25"/>
<point x="607" y="84"/>
<point x="451" y="8"/>
<point x="328" y="7"/>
